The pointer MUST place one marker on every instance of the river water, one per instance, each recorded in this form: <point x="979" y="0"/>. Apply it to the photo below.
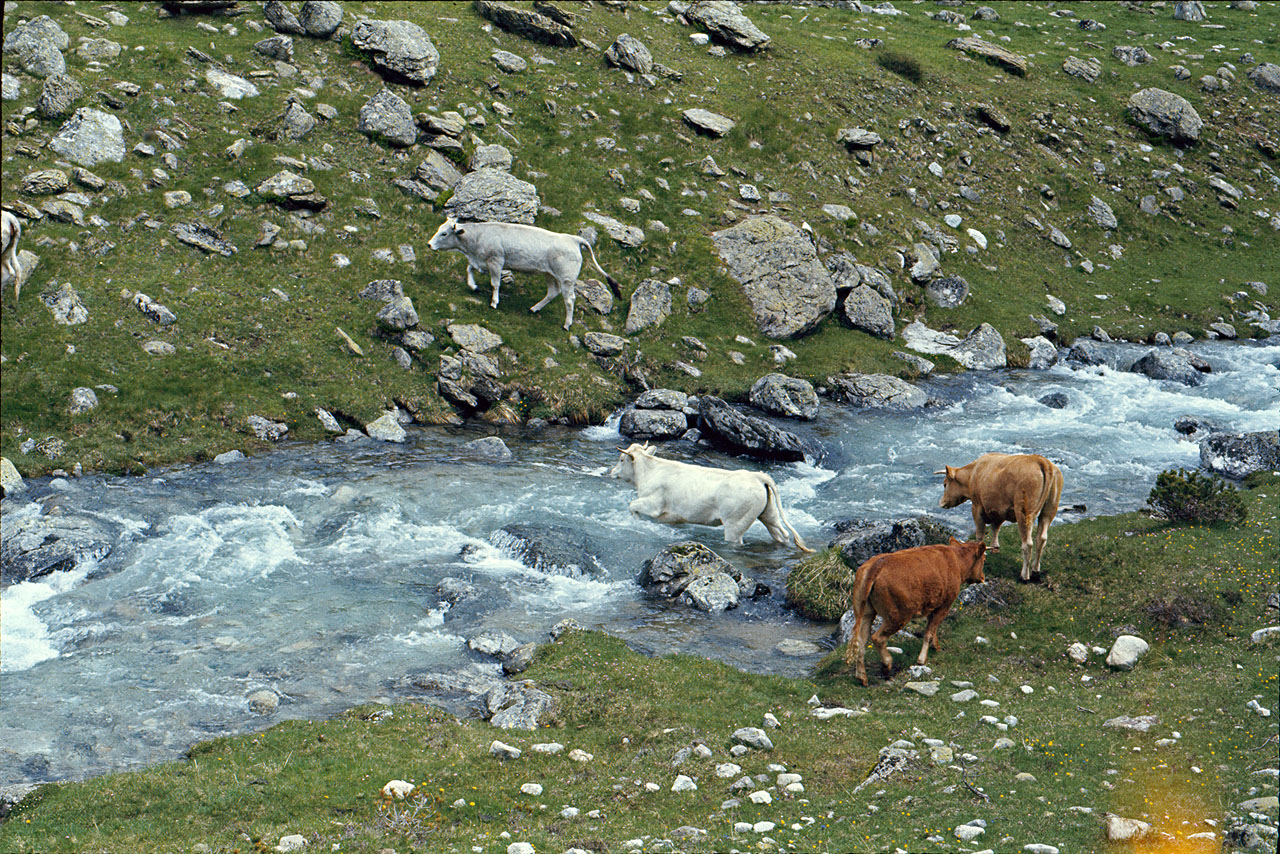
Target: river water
<point x="312" y="570"/>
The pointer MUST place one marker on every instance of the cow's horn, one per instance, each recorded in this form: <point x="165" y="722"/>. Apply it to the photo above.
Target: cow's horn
<point x="940" y="471"/>
<point x="620" y="448"/>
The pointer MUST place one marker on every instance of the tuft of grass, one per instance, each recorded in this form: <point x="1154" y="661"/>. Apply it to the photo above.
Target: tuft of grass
<point x="820" y="587"/>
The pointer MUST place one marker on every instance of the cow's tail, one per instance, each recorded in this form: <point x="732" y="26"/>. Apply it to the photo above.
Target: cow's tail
<point x="613" y="284"/>
<point x="1050" y="490"/>
<point x="864" y="579"/>
<point x="772" y="489"/>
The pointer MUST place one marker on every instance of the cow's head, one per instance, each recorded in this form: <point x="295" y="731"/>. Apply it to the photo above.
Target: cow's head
<point x="626" y="467"/>
<point x="976" y="554"/>
<point x="446" y="236"/>
<point x="954" y="493"/>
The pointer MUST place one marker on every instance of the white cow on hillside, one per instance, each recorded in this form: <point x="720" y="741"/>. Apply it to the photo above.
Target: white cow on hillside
<point x="676" y="492"/>
<point x="10" y="231"/>
<point x="495" y="246"/>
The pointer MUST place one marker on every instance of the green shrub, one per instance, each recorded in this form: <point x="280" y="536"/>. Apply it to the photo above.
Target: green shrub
<point x="1188" y="496"/>
<point x="821" y="586"/>
<point x="901" y="64"/>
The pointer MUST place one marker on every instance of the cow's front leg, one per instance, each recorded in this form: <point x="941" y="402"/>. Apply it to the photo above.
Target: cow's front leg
<point x="495" y="279"/>
<point x="471" y="277"/>
<point x="995" y="536"/>
<point x="651" y="507"/>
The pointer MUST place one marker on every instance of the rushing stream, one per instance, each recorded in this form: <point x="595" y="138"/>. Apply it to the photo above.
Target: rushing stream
<point x="312" y="570"/>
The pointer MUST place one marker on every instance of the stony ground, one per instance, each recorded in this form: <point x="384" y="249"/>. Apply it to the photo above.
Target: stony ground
<point x="206" y="198"/>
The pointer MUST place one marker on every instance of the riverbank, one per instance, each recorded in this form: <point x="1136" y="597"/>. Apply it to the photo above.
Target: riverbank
<point x="176" y="283"/>
<point x="1195" y="594"/>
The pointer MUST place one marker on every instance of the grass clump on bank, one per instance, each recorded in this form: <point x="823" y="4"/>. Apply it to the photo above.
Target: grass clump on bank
<point x="635" y="715"/>
<point x="820" y="587"/>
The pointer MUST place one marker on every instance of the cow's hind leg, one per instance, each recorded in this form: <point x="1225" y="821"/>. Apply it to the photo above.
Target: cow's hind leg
<point x="553" y="290"/>
<point x="858" y="643"/>
<point x="1026" y="535"/>
<point x="567" y="289"/>
<point x="734" y="530"/>
<point x="881" y="641"/>
<point x="931" y="634"/>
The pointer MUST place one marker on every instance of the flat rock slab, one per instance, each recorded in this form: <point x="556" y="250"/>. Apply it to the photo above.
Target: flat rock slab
<point x="875" y="390"/>
<point x="1008" y="60"/>
<point x="726" y="23"/>
<point x="527" y="23"/>
<point x="789" y="289"/>
<point x="705" y="121"/>
<point x="473" y="337"/>
<point x="725" y="426"/>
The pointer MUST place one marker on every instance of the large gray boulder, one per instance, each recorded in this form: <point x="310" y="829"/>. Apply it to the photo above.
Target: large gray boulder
<point x="37" y="46"/>
<point x="1189" y="10"/>
<point x="731" y="430"/>
<point x="400" y="49"/>
<point x="387" y="118"/>
<point x="867" y="310"/>
<point x="1100" y="212"/>
<point x="1266" y="76"/>
<point x="879" y="391"/>
<point x="983" y="349"/>
<point x="320" y="18"/>
<point x="642" y="424"/>
<point x="551" y="549"/>
<point x="34" y="546"/>
<point x="1086" y="69"/>
<point x="438" y="171"/>
<point x="493" y="195"/>
<point x="725" y="22"/>
<point x="90" y="136"/>
<point x="695" y="575"/>
<point x="1165" y="114"/>
<point x="230" y="85"/>
<point x="627" y="51"/>
<point x="58" y="95"/>
<point x="1042" y="353"/>
<point x="782" y="395"/>
<point x="859" y="540"/>
<point x="1086" y="351"/>
<point x="281" y="19"/>
<point x="527" y="23"/>
<point x="1239" y="455"/>
<point x="789" y="289"/>
<point x="650" y="305"/>
<point x="1168" y="365"/>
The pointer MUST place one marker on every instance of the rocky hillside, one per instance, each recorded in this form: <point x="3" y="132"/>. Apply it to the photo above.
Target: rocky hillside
<point x="226" y="205"/>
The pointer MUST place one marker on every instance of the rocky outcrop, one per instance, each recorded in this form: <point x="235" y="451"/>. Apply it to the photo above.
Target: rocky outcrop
<point x="34" y="546"/>
<point x="789" y="289"/>
<point x="1239" y="455"/>
<point x="527" y="23"/>
<point x="725" y="22"/>
<point x="1166" y="115"/>
<point x="981" y="349"/>
<point x="727" y="428"/>
<point x="551" y="549"/>
<point x="696" y="576"/>
<point x="782" y="395"/>
<point x="36" y="46"/>
<point x="518" y="705"/>
<point x="879" y="391"/>
<point x="471" y="381"/>
<point x="493" y="195"/>
<point x="400" y="49"/>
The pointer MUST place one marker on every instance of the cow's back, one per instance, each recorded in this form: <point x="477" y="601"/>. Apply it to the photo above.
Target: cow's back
<point x="523" y="247"/>
<point x="917" y="579"/>
<point x="999" y="481"/>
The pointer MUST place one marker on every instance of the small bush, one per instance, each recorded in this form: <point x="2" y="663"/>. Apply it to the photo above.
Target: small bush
<point x="1181" y="611"/>
<point x="901" y="64"/>
<point x="1193" y="498"/>
<point x="821" y="586"/>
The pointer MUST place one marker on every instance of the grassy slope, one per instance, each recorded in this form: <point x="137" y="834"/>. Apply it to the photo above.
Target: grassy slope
<point x="789" y="103"/>
<point x="633" y="713"/>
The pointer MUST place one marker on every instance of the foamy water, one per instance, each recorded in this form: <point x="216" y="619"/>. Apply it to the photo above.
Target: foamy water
<point x="312" y="571"/>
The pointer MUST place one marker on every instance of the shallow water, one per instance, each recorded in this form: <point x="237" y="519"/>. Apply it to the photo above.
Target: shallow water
<point x="312" y="570"/>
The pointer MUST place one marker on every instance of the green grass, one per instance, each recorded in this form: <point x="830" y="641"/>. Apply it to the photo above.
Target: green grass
<point x="633" y="713"/>
<point x="789" y="103"/>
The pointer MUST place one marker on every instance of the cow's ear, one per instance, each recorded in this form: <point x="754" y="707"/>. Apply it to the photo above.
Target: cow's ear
<point x="951" y="473"/>
<point x="954" y="542"/>
<point x="459" y="230"/>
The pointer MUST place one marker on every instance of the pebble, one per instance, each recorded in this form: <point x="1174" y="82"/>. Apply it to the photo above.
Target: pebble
<point x="1027" y="689"/>
<point x="728" y="769"/>
<point x="292" y="842"/>
<point x="964" y="696"/>
<point x="760" y="797"/>
<point x="968" y="832"/>
<point x="763" y="826"/>
<point x="520" y="848"/>
<point x="1078" y="652"/>
<point x="398" y="789"/>
<point x="570" y="812"/>
<point x="1040" y="848"/>
<point x="547" y="747"/>
<point x="770" y="721"/>
<point x="580" y="755"/>
<point x="1262" y="711"/>
<point x="534" y="789"/>
<point x="504" y="751"/>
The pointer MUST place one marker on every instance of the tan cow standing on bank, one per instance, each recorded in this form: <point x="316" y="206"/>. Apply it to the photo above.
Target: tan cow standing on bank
<point x="1022" y="488"/>
<point x="900" y="586"/>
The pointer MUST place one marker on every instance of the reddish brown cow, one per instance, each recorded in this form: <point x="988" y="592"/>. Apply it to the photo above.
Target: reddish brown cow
<point x="1022" y="488"/>
<point x="900" y="586"/>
